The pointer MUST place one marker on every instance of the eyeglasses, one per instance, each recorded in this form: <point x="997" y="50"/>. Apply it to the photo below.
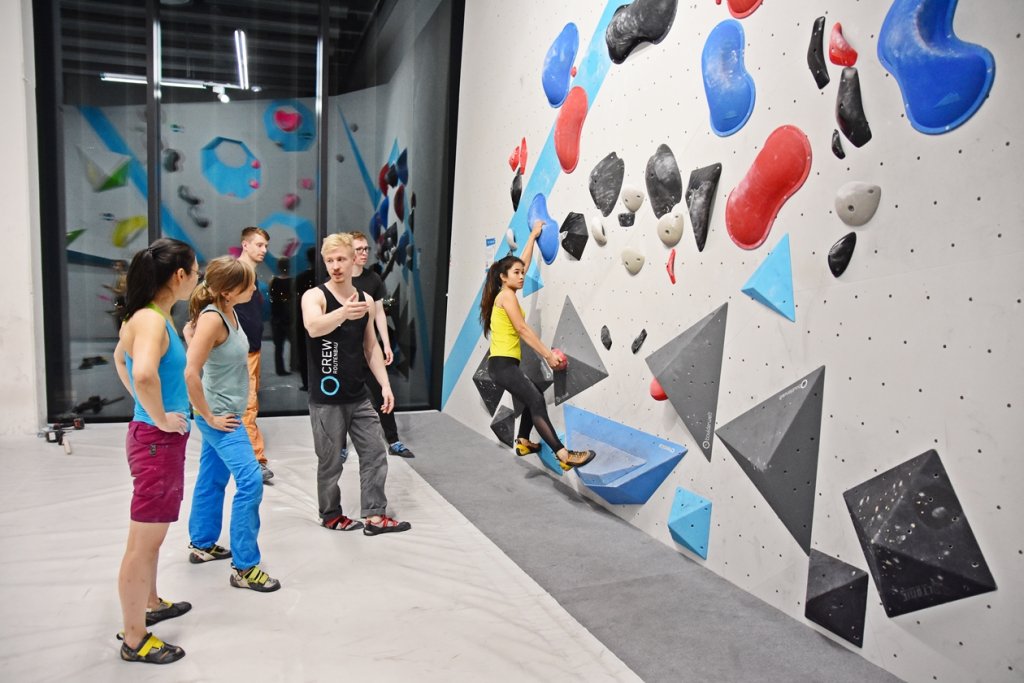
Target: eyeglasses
<point x="362" y="250"/>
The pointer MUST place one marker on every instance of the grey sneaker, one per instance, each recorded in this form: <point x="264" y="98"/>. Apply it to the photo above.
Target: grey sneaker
<point x="268" y="474"/>
<point x="198" y="555"/>
<point x="398" y="448"/>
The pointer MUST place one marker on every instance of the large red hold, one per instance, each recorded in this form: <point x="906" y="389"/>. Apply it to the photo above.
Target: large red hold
<point x="840" y="51"/>
<point x="569" y="127"/>
<point x="780" y="169"/>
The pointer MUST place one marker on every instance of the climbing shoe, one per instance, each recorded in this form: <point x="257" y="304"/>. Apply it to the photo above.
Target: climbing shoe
<point x="253" y="578"/>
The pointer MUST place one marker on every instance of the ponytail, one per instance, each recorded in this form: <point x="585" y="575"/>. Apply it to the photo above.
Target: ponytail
<point x="492" y="285"/>
<point x="151" y="269"/>
<point x="224" y="275"/>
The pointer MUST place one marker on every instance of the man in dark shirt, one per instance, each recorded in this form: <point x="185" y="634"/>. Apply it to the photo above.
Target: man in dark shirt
<point x="339" y="321"/>
<point x="304" y="281"/>
<point x="366" y="280"/>
<point x="250" y="317"/>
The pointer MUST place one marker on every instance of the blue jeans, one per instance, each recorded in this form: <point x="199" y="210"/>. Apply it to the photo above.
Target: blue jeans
<point x="227" y="454"/>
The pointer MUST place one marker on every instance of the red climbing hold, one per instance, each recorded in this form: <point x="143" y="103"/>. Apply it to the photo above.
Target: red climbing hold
<point x="657" y="393"/>
<point x="572" y="72"/>
<point x="742" y="8"/>
<point x="382" y="179"/>
<point x="513" y="159"/>
<point x="840" y="51"/>
<point x="287" y="120"/>
<point x="400" y="202"/>
<point x="563" y="362"/>
<point x="779" y="170"/>
<point x="569" y="127"/>
<point x="671" y="266"/>
<point x="522" y="157"/>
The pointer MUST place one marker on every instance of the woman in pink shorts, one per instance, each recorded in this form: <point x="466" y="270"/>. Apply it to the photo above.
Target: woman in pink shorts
<point x="150" y="361"/>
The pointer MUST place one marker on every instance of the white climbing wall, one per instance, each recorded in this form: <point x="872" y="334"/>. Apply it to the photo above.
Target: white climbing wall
<point x="920" y="337"/>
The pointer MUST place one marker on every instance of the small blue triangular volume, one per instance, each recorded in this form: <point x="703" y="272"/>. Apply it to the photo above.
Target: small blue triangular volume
<point x="532" y="282"/>
<point x="635" y="483"/>
<point x="772" y="282"/>
<point x="547" y="456"/>
<point x="689" y="521"/>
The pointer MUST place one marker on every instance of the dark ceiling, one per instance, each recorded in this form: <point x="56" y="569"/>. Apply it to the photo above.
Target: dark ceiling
<point x="197" y="41"/>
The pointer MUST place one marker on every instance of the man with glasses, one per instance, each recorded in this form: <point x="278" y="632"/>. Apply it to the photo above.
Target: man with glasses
<point x="366" y="280"/>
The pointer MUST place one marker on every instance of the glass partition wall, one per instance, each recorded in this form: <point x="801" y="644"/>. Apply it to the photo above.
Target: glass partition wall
<point x="302" y="118"/>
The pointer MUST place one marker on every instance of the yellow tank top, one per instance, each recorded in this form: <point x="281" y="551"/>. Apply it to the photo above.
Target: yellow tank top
<point x="504" y="338"/>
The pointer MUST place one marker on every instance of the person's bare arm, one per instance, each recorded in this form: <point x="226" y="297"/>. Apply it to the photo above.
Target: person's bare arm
<point x="526" y="333"/>
<point x="318" y="322"/>
<point x="527" y="257"/>
<point x="209" y="332"/>
<point x="148" y="346"/>
<point x="381" y="321"/>
<point x="375" y="361"/>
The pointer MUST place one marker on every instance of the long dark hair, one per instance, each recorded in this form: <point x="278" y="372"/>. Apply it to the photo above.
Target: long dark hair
<point x="493" y="285"/>
<point x="150" y="270"/>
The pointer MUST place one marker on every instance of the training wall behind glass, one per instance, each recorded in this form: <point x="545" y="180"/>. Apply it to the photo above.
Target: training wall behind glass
<point x="238" y="134"/>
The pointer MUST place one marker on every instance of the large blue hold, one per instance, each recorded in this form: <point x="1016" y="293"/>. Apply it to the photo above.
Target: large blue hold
<point x="944" y="80"/>
<point x="728" y="85"/>
<point x="689" y="521"/>
<point x="548" y="242"/>
<point x="558" y="64"/>
<point x="634" y="485"/>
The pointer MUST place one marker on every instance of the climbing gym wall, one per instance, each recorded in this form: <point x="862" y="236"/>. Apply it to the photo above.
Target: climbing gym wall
<point x="780" y="252"/>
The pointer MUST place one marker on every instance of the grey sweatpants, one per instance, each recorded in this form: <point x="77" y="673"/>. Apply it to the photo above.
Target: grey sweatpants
<point x="330" y="422"/>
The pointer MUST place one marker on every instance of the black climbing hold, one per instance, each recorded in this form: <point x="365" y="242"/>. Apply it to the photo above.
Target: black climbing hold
<point x="700" y="199"/>
<point x="200" y="221"/>
<point x="392" y="176"/>
<point x="517" y="189"/>
<point x="837" y="145"/>
<point x="490" y="393"/>
<point x="504" y="425"/>
<point x="340" y="157"/>
<point x="664" y="184"/>
<point x="850" y="109"/>
<point x="186" y="194"/>
<point x="172" y="160"/>
<point x="606" y="182"/>
<point x="641" y="21"/>
<point x="837" y="596"/>
<point x="412" y="220"/>
<point x="626" y="219"/>
<point x="576" y="234"/>
<point x="639" y="341"/>
<point x="840" y="254"/>
<point x="816" y="53"/>
<point x="920" y="549"/>
<point x="412" y="200"/>
<point x="606" y="337"/>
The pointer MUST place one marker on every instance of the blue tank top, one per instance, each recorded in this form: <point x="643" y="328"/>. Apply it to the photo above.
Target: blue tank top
<point x="173" y="393"/>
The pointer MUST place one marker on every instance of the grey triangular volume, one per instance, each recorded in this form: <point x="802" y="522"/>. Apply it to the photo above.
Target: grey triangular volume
<point x="490" y="393"/>
<point x="504" y="425"/>
<point x="577" y="378"/>
<point x="689" y="369"/>
<point x="572" y="338"/>
<point x="536" y="369"/>
<point x="837" y="595"/>
<point x="776" y="444"/>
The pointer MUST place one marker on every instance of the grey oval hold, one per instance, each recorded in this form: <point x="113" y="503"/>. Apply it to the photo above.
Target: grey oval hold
<point x="632" y="197"/>
<point x="670" y="227"/>
<point x="856" y="202"/>
<point x="633" y="260"/>
<point x="510" y="239"/>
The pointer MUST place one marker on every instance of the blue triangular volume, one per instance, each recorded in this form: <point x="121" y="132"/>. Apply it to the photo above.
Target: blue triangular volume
<point x="689" y="521"/>
<point x="635" y="483"/>
<point x="547" y="456"/>
<point x="532" y="282"/>
<point x="772" y="282"/>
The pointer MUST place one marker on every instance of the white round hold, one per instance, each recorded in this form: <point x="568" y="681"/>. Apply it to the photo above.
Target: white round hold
<point x="632" y="197"/>
<point x="633" y="260"/>
<point x="670" y="227"/>
<point x="856" y="202"/>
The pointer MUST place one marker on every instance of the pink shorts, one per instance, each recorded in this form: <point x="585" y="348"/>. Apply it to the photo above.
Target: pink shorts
<point x="157" y="463"/>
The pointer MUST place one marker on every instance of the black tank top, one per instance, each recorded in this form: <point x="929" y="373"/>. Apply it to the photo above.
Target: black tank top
<point x="336" y="359"/>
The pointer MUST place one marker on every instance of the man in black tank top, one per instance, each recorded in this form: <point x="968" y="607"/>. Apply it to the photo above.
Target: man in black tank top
<point x="339" y="322"/>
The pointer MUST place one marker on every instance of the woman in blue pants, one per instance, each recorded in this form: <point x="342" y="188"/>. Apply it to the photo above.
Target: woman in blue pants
<point x="217" y="377"/>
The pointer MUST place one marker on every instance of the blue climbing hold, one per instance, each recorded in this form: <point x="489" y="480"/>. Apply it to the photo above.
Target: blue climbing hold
<point x="689" y="521"/>
<point x="558" y="64"/>
<point x="635" y="483"/>
<point x="547" y="456"/>
<point x="402" y="167"/>
<point x="548" y="242"/>
<point x="944" y="80"/>
<point x="728" y="85"/>
<point x="772" y="282"/>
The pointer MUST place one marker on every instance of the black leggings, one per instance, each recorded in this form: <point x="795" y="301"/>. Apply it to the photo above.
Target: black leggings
<point x="505" y="372"/>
